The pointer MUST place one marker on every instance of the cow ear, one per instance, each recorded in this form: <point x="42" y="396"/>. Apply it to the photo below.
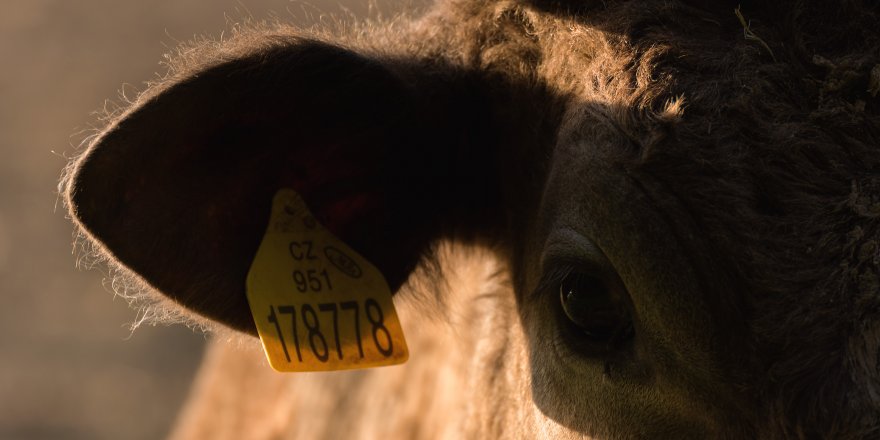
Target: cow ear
<point x="387" y="156"/>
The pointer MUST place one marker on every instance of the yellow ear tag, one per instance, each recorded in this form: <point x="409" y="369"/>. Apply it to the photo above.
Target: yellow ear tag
<point x="317" y="304"/>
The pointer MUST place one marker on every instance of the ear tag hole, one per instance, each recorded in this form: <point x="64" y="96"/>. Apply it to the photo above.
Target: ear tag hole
<point x="317" y="304"/>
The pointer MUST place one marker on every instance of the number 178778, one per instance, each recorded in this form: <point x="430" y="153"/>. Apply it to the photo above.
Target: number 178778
<point x="308" y="319"/>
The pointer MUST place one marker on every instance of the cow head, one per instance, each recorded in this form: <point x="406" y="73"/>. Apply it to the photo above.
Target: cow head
<point x="688" y="201"/>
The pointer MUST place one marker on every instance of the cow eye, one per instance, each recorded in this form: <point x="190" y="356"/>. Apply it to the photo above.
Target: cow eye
<point x="597" y="313"/>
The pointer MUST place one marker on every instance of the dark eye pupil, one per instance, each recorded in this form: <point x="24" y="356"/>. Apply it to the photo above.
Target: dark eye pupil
<point x="591" y="306"/>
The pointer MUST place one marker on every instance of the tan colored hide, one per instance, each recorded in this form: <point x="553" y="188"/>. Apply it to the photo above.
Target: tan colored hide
<point x="468" y="360"/>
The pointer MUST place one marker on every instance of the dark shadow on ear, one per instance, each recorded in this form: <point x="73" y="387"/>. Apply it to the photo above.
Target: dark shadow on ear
<point x="389" y="157"/>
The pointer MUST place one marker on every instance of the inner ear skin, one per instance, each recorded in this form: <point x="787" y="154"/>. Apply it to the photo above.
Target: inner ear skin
<point x="179" y="190"/>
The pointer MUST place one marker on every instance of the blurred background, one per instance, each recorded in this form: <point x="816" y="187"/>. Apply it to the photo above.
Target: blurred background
<point x="70" y="368"/>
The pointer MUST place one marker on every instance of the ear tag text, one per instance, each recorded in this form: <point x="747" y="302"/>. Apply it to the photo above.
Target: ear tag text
<point x="317" y="304"/>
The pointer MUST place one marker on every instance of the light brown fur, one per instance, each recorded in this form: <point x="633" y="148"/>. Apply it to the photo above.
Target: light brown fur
<point x="467" y="361"/>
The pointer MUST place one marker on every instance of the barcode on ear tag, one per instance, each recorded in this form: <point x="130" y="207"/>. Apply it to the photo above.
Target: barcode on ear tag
<point x="317" y="304"/>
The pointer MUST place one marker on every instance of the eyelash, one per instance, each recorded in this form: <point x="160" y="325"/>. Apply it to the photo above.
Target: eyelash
<point x="552" y="279"/>
<point x="558" y="270"/>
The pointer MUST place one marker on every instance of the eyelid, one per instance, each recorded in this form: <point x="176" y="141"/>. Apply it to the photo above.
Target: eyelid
<point x="565" y="245"/>
<point x="566" y="252"/>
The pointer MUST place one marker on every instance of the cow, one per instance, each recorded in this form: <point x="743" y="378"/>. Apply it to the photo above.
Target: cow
<point x="599" y="219"/>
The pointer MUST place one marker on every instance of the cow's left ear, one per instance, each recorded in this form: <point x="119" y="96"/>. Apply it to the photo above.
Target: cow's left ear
<point x="388" y="154"/>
